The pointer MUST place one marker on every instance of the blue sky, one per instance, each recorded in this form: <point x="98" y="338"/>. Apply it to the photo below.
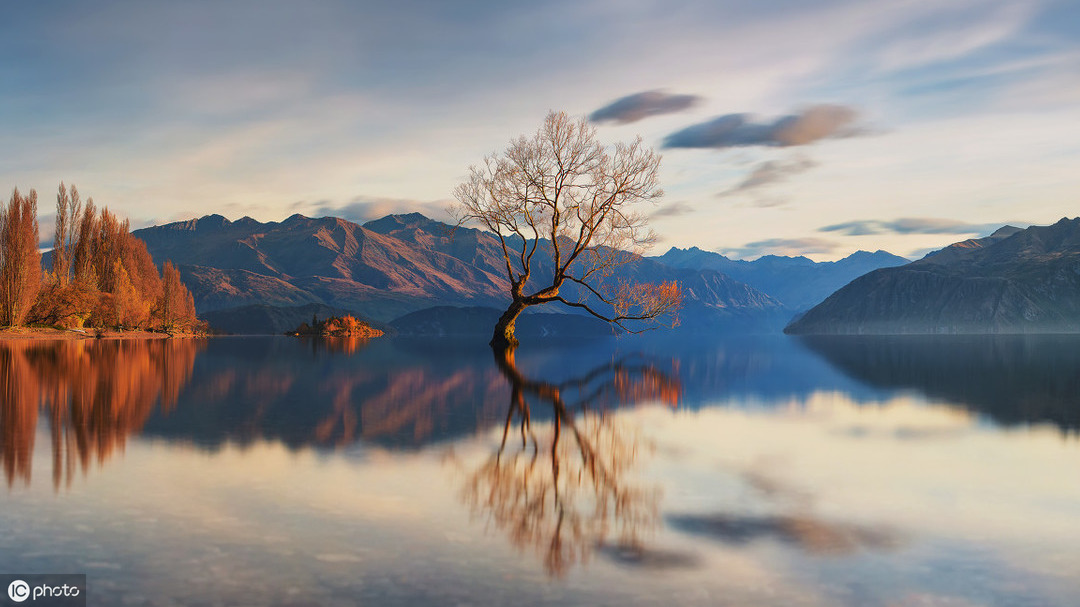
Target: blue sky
<point x="786" y="127"/>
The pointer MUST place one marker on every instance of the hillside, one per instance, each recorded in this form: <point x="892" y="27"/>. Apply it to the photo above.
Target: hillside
<point x="326" y="260"/>
<point x="390" y="267"/>
<point x="797" y="282"/>
<point x="1014" y="281"/>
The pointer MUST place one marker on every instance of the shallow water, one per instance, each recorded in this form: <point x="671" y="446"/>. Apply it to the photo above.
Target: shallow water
<point x="742" y="471"/>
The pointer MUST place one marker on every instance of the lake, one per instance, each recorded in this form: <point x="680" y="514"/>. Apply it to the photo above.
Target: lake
<point x="916" y="471"/>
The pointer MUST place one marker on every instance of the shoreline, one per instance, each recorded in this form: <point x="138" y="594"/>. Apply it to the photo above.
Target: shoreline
<point x="47" y="333"/>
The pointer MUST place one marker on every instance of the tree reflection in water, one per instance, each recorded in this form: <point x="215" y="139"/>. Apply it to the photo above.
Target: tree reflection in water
<point x="346" y="344"/>
<point x="95" y="394"/>
<point x="565" y="487"/>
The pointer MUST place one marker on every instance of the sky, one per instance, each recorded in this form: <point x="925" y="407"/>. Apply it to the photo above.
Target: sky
<point x="786" y="127"/>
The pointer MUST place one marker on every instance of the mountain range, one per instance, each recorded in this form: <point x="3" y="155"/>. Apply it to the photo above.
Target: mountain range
<point x="797" y="282"/>
<point x="397" y="266"/>
<point x="418" y="276"/>
<point x="329" y="261"/>
<point x="1013" y="281"/>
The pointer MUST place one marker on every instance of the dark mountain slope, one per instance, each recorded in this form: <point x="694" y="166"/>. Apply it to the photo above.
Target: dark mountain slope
<point x="1015" y="281"/>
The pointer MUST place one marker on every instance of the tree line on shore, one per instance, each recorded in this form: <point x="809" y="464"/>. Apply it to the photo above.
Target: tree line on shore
<point x="101" y="276"/>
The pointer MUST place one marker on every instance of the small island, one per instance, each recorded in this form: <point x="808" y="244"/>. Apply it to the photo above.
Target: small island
<point x="336" y="326"/>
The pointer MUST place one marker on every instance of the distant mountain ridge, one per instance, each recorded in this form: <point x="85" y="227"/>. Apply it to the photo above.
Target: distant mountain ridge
<point x="797" y="282"/>
<point x="1014" y="281"/>
<point x="959" y="251"/>
<point x="393" y="266"/>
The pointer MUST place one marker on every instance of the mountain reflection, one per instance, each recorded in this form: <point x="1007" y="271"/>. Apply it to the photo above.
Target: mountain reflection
<point x="1013" y="379"/>
<point x="402" y="394"/>
<point x="315" y="394"/>
<point x="408" y="394"/>
<point x="560" y="488"/>
<point x="94" y="394"/>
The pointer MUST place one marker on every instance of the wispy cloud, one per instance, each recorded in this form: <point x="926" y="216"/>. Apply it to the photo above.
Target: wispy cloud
<point x="252" y="104"/>
<point x="767" y="202"/>
<point x="784" y="246"/>
<point x="769" y="172"/>
<point x="674" y="209"/>
<point x="739" y="130"/>
<point x="910" y="225"/>
<point x="643" y="105"/>
<point x="945" y="38"/>
<point x="921" y="252"/>
<point x="365" y="208"/>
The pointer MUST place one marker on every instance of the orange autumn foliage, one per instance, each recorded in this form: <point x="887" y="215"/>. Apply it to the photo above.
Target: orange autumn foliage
<point x="338" y="326"/>
<point x="102" y="276"/>
<point x="20" y="262"/>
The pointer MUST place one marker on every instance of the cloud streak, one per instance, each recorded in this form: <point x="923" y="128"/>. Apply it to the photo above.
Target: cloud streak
<point x="784" y="246"/>
<point x="675" y="209"/>
<point x="909" y="225"/>
<point x="739" y="130"/>
<point x="770" y="172"/>
<point x="946" y="39"/>
<point x="643" y="105"/>
<point x="365" y="208"/>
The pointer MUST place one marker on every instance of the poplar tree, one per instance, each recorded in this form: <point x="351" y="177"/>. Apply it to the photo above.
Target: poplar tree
<point x="20" y="261"/>
<point x="68" y="208"/>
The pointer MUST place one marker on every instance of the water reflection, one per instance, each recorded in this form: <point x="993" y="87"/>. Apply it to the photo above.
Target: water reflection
<point x="802" y="531"/>
<point x="347" y="345"/>
<point x="336" y="393"/>
<point x="1013" y="379"/>
<point x="315" y="394"/>
<point x="94" y="394"/>
<point x="561" y="488"/>
<point x="284" y="472"/>
<point x="333" y="394"/>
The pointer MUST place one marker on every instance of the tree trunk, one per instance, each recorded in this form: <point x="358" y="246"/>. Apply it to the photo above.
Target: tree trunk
<point x="504" y="337"/>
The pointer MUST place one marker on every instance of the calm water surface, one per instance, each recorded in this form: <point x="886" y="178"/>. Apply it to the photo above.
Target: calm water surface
<point x="742" y="471"/>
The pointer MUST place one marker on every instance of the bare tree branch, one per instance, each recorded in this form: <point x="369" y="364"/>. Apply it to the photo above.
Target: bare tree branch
<point x="562" y="192"/>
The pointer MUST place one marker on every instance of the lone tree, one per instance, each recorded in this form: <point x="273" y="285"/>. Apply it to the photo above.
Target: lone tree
<point x="563" y="194"/>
